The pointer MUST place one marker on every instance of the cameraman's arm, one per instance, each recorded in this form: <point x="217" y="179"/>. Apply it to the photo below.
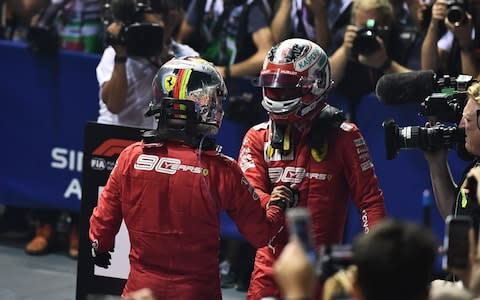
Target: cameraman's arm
<point x="444" y="188"/>
<point x="192" y="20"/>
<point x="251" y="66"/>
<point x="281" y="24"/>
<point x="114" y="91"/>
<point x="339" y="59"/>
<point x="322" y="31"/>
<point x="463" y="34"/>
<point x="429" y="52"/>
<point x="186" y="30"/>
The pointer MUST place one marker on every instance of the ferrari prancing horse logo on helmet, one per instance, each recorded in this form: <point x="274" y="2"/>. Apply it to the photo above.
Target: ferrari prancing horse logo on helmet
<point x="169" y="82"/>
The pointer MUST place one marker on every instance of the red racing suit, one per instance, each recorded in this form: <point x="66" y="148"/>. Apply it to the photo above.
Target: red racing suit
<point x="326" y="179"/>
<point x="170" y="197"/>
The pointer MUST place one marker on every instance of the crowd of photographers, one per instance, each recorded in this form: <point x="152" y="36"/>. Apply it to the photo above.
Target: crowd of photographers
<point x="364" y="40"/>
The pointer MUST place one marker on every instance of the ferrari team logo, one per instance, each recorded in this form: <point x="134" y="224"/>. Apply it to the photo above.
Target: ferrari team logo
<point x="169" y="82"/>
<point x="319" y="155"/>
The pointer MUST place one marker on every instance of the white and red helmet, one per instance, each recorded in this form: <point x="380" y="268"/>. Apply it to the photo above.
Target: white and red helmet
<point x="295" y="79"/>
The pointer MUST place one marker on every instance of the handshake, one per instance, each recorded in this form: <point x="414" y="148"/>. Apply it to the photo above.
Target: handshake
<point x="284" y="196"/>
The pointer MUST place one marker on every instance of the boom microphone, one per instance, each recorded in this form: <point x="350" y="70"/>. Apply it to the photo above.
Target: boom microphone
<point x="403" y="88"/>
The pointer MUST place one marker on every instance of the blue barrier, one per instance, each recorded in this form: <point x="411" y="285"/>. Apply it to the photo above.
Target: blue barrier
<point x="45" y="104"/>
<point x="47" y="101"/>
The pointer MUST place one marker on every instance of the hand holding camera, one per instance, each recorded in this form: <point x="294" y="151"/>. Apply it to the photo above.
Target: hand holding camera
<point x="115" y="37"/>
<point x="368" y="45"/>
<point x="454" y="14"/>
<point x="129" y="26"/>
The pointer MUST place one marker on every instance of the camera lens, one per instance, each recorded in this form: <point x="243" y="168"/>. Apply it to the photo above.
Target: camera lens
<point x="427" y="139"/>
<point x="456" y="12"/>
<point x="456" y="15"/>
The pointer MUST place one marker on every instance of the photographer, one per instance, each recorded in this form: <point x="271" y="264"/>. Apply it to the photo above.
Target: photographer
<point x="452" y="53"/>
<point x="128" y="65"/>
<point x="450" y="198"/>
<point x="371" y="47"/>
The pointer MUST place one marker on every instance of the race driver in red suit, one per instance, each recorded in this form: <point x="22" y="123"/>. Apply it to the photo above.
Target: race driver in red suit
<point x="307" y="145"/>
<point x="171" y="187"/>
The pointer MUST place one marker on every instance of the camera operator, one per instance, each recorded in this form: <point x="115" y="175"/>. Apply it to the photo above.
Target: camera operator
<point x="371" y="47"/>
<point x="452" y="53"/>
<point x="469" y="287"/>
<point x="126" y="69"/>
<point x="450" y="198"/>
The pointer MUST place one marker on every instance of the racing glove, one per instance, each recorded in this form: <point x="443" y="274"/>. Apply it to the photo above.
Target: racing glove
<point x="101" y="259"/>
<point x="279" y="203"/>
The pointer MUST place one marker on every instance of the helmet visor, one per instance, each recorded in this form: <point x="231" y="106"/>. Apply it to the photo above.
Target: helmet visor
<point x="208" y="104"/>
<point x="283" y="86"/>
<point x="282" y="80"/>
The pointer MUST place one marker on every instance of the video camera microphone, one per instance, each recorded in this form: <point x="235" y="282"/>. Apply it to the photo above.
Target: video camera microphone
<point x="416" y="86"/>
<point x="404" y="88"/>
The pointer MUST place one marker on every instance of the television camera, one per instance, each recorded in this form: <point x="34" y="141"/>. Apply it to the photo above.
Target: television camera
<point x="141" y="38"/>
<point x="445" y="102"/>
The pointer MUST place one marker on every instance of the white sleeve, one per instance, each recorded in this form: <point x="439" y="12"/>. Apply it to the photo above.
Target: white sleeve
<point x="446" y="41"/>
<point x="105" y="66"/>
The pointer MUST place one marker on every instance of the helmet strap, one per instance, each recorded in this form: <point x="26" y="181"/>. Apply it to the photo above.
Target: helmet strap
<point x="173" y="109"/>
<point x="281" y="137"/>
<point x="177" y="120"/>
<point x="169" y="134"/>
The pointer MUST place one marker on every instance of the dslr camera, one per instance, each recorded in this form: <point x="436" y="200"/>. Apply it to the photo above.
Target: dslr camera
<point x="140" y="38"/>
<point x="365" y="42"/>
<point x="446" y="104"/>
<point x="456" y="12"/>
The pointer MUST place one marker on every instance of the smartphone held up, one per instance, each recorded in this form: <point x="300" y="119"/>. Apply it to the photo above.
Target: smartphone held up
<point x="456" y="243"/>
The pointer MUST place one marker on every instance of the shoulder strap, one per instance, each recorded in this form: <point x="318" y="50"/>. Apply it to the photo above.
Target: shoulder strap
<point x="330" y="117"/>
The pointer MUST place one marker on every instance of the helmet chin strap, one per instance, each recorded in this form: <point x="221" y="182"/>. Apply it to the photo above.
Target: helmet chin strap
<point x="281" y="132"/>
<point x="169" y="134"/>
<point x="178" y="121"/>
<point x="305" y="110"/>
<point x="280" y="138"/>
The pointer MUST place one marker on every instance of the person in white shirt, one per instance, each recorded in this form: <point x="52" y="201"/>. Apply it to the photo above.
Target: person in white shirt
<point x="125" y="82"/>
